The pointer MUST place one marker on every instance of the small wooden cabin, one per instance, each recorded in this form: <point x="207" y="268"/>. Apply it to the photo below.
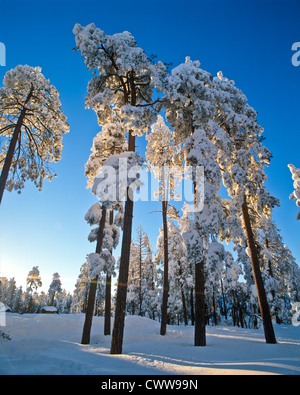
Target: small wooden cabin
<point x="5" y="309"/>
<point x="49" y="310"/>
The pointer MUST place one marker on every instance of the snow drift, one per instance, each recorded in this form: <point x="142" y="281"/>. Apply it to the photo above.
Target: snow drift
<point x="50" y="344"/>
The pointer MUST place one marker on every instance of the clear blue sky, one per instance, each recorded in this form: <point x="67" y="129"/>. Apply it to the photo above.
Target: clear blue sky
<point x="250" y="41"/>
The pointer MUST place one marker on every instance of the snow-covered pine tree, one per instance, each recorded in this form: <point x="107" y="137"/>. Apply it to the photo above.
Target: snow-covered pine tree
<point x="181" y="278"/>
<point x="111" y="140"/>
<point x="190" y="105"/>
<point x="10" y="291"/>
<point x="151" y="305"/>
<point x="31" y="127"/>
<point x="141" y="267"/>
<point x="100" y="296"/>
<point x="242" y="161"/>
<point x="214" y="266"/>
<point x="141" y="299"/>
<point x="163" y="158"/>
<point x="80" y="294"/>
<point x="43" y="300"/>
<point x="293" y="278"/>
<point x="96" y="215"/>
<point x="277" y="266"/>
<point x="194" y="245"/>
<point x="54" y="288"/>
<point x="18" y="302"/>
<point x="233" y="288"/>
<point x="123" y="83"/>
<point x="189" y="99"/>
<point x="34" y="279"/>
<point x="28" y="304"/>
<point x="132" y="303"/>
<point x="209" y="222"/>
<point x="197" y="102"/>
<point x="64" y="302"/>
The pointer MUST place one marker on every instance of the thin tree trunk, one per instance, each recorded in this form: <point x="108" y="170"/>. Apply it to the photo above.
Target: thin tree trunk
<point x="52" y="299"/>
<point x="192" y="306"/>
<point x="185" y="317"/>
<point x="200" y="316"/>
<point x="234" y="311"/>
<point x="12" y="147"/>
<point x="107" y="316"/>
<point x="271" y="273"/>
<point x="120" y="311"/>
<point x="214" y="309"/>
<point x="140" y="278"/>
<point x="262" y="298"/>
<point x="200" y="332"/>
<point x="164" y="310"/>
<point x="239" y="308"/>
<point x="93" y="286"/>
<point x="10" y="153"/>
<point x="119" y="321"/>
<point x="224" y="301"/>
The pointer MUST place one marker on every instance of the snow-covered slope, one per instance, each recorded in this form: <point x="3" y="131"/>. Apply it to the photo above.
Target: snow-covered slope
<point x="50" y="344"/>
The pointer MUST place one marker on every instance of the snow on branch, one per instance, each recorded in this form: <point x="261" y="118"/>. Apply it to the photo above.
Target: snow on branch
<point x="296" y="194"/>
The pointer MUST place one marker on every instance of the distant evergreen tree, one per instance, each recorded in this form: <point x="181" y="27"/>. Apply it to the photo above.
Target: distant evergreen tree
<point x="54" y="289"/>
<point x="141" y="298"/>
<point x="34" y="279"/>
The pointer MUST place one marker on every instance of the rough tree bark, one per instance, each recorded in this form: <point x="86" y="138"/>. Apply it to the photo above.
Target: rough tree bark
<point x="107" y="317"/>
<point x="12" y="147"/>
<point x="164" y="308"/>
<point x="93" y="286"/>
<point x="200" y="316"/>
<point x="200" y="320"/>
<point x="120" y="311"/>
<point x="262" y="298"/>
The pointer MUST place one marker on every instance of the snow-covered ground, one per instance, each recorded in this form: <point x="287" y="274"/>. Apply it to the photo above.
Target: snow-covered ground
<point x="50" y="344"/>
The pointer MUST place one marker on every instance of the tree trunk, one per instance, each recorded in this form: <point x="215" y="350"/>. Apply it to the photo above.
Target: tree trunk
<point x="192" y="306"/>
<point x="262" y="298"/>
<point x="200" y="332"/>
<point x="10" y="153"/>
<point x="12" y="147"/>
<point x="184" y="309"/>
<point x="107" y="316"/>
<point x="224" y="301"/>
<point x="185" y="317"/>
<point x="239" y="308"/>
<point x="119" y="321"/>
<point x="93" y="286"/>
<point x="214" y="310"/>
<point x="51" y="303"/>
<point x="271" y="273"/>
<point x="200" y="316"/>
<point x="140" y="278"/>
<point x="164" y="309"/>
